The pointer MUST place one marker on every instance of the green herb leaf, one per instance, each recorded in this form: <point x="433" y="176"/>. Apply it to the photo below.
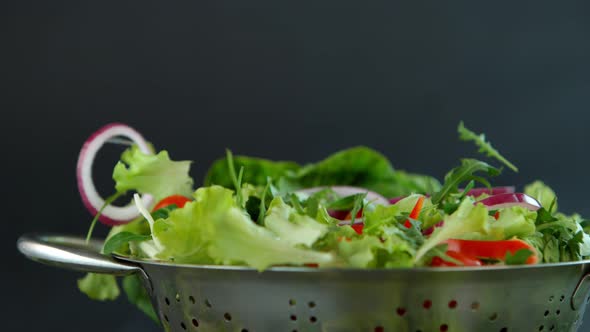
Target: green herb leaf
<point x="518" y="258"/>
<point x="484" y="147"/>
<point x="137" y="295"/>
<point x="463" y="173"/>
<point x="359" y="202"/>
<point x="119" y="239"/>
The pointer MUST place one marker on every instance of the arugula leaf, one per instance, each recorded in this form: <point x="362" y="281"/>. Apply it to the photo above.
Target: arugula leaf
<point x="484" y="147"/>
<point x="118" y="240"/>
<point x="262" y="209"/>
<point x="463" y="173"/>
<point x="237" y="180"/>
<point x="518" y="258"/>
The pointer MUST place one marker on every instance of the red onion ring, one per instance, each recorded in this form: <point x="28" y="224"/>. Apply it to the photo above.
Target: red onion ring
<point x="508" y="200"/>
<point x="347" y="191"/>
<point x="111" y="215"/>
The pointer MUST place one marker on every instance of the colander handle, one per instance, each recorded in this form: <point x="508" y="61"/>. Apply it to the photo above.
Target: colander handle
<point x="71" y="253"/>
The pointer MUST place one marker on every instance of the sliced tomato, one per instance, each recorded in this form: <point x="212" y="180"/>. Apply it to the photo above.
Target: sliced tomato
<point x="177" y="200"/>
<point x="415" y="211"/>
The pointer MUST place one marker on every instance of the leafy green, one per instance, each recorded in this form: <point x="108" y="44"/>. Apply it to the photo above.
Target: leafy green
<point x="514" y="221"/>
<point x="213" y="228"/>
<point x="152" y="174"/>
<point x="99" y="287"/>
<point x="257" y="171"/>
<point x="469" y="221"/>
<point x="137" y="294"/>
<point x="484" y="146"/>
<point x="542" y="193"/>
<point x="357" y="166"/>
<point x="290" y="226"/>
<point x="518" y="258"/>
<point x="120" y="239"/>
<point x="460" y="174"/>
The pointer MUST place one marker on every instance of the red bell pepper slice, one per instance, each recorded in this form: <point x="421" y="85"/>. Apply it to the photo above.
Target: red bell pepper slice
<point x="415" y="211"/>
<point x="473" y="249"/>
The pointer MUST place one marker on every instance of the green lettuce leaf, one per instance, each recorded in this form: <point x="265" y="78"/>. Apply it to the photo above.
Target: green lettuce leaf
<point x="256" y="171"/>
<point x="152" y="174"/>
<point x="215" y="229"/>
<point x="468" y="221"/>
<point x="137" y="294"/>
<point x="357" y="166"/>
<point x="542" y="193"/>
<point x="514" y="221"/>
<point x="292" y="227"/>
<point x="99" y="287"/>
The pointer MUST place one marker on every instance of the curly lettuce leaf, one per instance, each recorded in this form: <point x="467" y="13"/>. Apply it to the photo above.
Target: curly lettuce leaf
<point x="214" y="229"/>
<point x="542" y="193"/>
<point x="514" y="221"/>
<point x="152" y="174"/>
<point x="292" y="227"/>
<point x="469" y="220"/>
<point x="101" y="287"/>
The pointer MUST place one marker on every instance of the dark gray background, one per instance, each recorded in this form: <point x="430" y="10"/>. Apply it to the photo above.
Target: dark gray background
<point x="278" y="79"/>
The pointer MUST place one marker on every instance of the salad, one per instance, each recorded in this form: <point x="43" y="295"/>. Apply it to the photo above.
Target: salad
<point x="350" y="210"/>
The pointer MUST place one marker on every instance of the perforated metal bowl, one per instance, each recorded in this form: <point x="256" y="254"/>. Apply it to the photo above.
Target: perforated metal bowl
<point x="549" y="297"/>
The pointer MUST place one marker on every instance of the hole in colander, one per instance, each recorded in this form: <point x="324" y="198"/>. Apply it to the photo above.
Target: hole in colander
<point x="558" y="312"/>
<point x="167" y="301"/>
<point x="313" y="319"/>
<point x="444" y="328"/>
<point x="475" y="306"/>
<point x="177" y="297"/>
<point x="292" y="302"/>
<point x="546" y="313"/>
<point x="191" y="299"/>
<point x="227" y="316"/>
<point x="452" y="304"/>
<point x="427" y="304"/>
<point x="208" y="304"/>
<point x="552" y="328"/>
<point x="401" y="311"/>
<point x="166" y="318"/>
<point x="541" y="328"/>
<point x="183" y="325"/>
<point x="504" y="329"/>
<point x="551" y="298"/>
<point x="494" y="316"/>
<point x="195" y="322"/>
<point x="311" y="304"/>
<point x="379" y="329"/>
<point x="561" y="298"/>
<point x="293" y="317"/>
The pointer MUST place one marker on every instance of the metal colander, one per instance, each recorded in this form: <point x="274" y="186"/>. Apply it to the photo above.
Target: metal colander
<point x="547" y="297"/>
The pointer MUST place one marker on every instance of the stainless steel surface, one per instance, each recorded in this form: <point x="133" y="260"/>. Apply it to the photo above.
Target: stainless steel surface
<point x="550" y="297"/>
<point x="71" y="253"/>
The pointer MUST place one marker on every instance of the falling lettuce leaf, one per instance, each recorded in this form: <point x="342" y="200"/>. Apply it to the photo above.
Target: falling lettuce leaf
<point x="152" y="174"/>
